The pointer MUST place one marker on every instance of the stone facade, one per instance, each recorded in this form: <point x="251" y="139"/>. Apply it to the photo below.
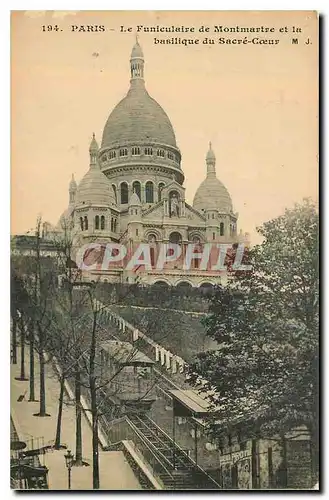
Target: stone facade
<point x="133" y="191"/>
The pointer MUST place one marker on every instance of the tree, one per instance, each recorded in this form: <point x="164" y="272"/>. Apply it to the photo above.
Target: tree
<point x="266" y="320"/>
<point x="67" y="317"/>
<point x="93" y="377"/>
<point x="18" y="297"/>
<point x="13" y="313"/>
<point x="67" y="339"/>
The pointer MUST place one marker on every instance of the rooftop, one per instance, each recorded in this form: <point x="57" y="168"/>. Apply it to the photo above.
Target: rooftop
<point x="125" y="353"/>
<point x="194" y="403"/>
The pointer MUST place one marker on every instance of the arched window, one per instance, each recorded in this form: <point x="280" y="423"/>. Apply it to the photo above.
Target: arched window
<point x="175" y="238"/>
<point x="195" y="263"/>
<point x="207" y="288"/>
<point x="213" y="236"/>
<point x="97" y="222"/>
<point x="115" y="192"/>
<point x="184" y="284"/>
<point x="86" y="222"/>
<point x="137" y="188"/>
<point x="124" y="193"/>
<point x="197" y="249"/>
<point x="212" y="216"/>
<point x="112" y="225"/>
<point x="102" y="222"/>
<point x="149" y="194"/>
<point x="160" y="283"/>
<point x="160" y="188"/>
<point x="152" y="245"/>
<point x="152" y="256"/>
<point x="221" y="228"/>
<point x="115" y="226"/>
<point x="81" y="223"/>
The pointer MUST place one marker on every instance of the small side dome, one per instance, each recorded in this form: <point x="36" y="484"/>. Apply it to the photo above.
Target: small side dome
<point x="134" y="200"/>
<point x="95" y="189"/>
<point x="212" y="195"/>
<point x="66" y="220"/>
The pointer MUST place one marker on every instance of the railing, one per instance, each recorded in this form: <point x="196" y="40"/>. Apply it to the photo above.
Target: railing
<point x="146" y="446"/>
<point x="171" y="448"/>
<point x="184" y="452"/>
<point x="163" y="379"/>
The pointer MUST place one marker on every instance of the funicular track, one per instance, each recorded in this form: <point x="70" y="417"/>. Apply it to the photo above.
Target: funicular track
<point x="184" y="473"/>
<point x="178" y="470"/>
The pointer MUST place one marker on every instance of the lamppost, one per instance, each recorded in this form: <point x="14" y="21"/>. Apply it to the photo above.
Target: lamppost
<point x="69" y="457"/>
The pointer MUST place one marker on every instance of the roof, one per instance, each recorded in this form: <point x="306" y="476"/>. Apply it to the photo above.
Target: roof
<point x="138" y="118"/>
<point x="191" y="401"/>
<point x="137" y="51"/>
<point x="134" y="200"/>
<point x="125" y="353"/>
<point x="73" y="185"/>
<point x="210" y="155"/>
<point x="95" y="189"/>
<point x="212" y="194"/>
<point x="93" y="145"/>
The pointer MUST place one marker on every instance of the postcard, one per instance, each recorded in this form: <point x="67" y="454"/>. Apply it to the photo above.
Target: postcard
<point x="164" y="250"/>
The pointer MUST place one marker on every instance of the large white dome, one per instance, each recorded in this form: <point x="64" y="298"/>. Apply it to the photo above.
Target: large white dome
<point x="138" y="118"/>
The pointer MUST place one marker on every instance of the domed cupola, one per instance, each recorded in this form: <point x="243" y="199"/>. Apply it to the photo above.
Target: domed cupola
<point x="138" y="131"/>
<point x="212" y="194"/>
<point x="95" y="188"/>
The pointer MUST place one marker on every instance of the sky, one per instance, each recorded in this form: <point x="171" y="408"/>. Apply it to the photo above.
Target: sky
<point x="257" y="104"/>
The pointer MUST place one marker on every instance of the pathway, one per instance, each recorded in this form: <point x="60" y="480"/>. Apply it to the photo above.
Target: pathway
<point x="115" y="472"/>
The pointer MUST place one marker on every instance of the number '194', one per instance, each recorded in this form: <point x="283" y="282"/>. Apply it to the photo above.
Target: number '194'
<point x="50" y="27"/>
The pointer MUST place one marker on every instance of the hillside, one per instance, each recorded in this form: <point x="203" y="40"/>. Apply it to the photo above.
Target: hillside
<point x="179" y="332"/>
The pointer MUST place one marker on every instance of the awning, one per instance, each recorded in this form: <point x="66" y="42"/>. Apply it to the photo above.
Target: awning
<point x="188" y="403"/>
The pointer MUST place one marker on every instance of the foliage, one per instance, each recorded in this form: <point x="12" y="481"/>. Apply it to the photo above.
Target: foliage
<point x="265" y="321"/>
<point x="179" y="298"/>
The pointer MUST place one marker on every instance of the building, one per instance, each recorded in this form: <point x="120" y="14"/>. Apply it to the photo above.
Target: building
<point x="134" y="192"/>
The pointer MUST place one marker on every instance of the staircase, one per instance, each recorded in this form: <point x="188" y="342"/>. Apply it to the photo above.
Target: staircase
<point x="183" y="473"/>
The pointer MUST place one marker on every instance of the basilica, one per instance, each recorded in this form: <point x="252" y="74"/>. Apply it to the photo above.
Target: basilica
<point x="134" y="192"/>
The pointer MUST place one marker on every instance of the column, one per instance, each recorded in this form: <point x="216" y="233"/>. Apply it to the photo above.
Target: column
<point x="143" y="192"/>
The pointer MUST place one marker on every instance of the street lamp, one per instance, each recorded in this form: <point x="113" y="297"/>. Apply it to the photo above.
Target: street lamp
<point x="69" y="457"/>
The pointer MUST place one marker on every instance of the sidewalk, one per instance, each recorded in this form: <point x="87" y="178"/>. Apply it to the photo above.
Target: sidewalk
<point x="115" y="472"/>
